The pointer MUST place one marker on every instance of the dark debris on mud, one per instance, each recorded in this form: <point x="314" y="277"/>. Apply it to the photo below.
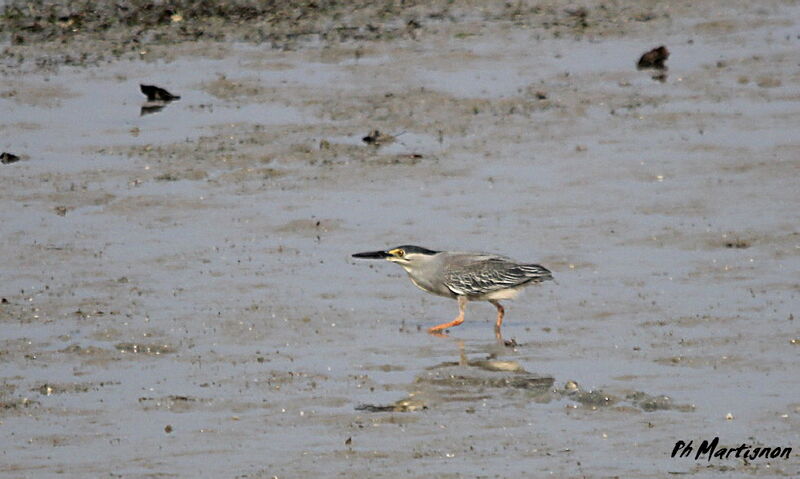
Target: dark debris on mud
<point x="8" y="158"/>
<point x="157" y="99"/>
<point x="654" y="59"/>
<point x="156" y="93"/>
<point x="377" y="138"/>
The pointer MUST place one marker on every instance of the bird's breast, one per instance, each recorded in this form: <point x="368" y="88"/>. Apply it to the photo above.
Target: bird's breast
<point x="430" y="288"/>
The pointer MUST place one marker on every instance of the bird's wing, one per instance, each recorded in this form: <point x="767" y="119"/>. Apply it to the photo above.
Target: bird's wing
<point x="491" y="274"/>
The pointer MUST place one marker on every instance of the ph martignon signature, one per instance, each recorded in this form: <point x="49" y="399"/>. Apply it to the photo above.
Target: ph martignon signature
<point x="710" y="450"/>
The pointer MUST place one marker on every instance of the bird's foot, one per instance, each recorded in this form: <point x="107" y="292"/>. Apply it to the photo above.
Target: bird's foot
<point x="439" y="333"/>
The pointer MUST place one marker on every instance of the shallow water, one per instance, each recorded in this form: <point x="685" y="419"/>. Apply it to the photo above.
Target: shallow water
<point x="218" y="233"/>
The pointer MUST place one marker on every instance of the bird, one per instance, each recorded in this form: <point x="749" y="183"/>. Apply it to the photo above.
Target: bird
<point x="464" y="276"/>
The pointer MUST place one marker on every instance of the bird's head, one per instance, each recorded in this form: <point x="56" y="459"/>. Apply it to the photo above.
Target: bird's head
<point x="406" y="255"/>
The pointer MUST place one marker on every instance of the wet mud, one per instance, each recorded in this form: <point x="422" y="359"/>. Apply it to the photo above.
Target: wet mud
<point x="178" y="296"/>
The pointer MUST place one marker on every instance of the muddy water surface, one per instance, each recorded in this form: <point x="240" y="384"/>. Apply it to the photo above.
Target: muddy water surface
<point x="179" y="297"/>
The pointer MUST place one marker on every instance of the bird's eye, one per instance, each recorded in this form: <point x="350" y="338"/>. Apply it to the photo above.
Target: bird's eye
<point x="400" y="253"/>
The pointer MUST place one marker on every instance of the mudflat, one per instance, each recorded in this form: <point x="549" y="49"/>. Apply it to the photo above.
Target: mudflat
<point x="178" y="296"/>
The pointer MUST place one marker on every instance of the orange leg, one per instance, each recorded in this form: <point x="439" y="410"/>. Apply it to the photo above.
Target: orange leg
<point x="462" y="305"/>
<point x="500" y="313"/>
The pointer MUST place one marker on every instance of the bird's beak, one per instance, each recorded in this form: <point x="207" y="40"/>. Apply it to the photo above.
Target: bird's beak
<point x="372" y="255"/>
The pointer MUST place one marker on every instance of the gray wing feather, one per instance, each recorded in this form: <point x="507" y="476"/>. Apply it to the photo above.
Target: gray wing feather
<point x="492" y="274"/>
